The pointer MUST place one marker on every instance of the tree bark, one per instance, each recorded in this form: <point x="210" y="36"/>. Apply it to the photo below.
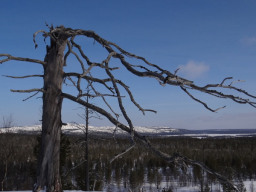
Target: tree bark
<point x="48" y="175"/>
<point x="87" y="186"/>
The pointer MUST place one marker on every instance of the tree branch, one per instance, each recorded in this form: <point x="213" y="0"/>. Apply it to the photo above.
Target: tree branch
<point x="90" y="78"/>
<point x="77" y="57"/>
<point x="30" y="96"/>
<point x="123" y="152"/>
<point x="199" y="101"/>
<point x="120" y="102"/>
<point x="10" y="57"/>
<point x="27" y="91"/>
<point x="105" y="101"/>
<point x="132" y="98"/>
<point x="22" y="77"/>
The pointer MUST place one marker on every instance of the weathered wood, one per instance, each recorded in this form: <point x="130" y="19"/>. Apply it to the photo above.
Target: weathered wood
<point x="48" y="169"/>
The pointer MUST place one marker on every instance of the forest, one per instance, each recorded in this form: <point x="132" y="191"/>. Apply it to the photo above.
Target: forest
<point x="137" y="170"/>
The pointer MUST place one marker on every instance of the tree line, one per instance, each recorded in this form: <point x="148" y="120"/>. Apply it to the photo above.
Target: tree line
<point x="235" y="158"/>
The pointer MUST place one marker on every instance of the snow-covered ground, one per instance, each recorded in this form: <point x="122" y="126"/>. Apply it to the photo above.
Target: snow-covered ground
<point x="79" y="128"/>
<point x="250" y="186"/>
<point x="44" y="191"/>
<point x="218" y="135"/>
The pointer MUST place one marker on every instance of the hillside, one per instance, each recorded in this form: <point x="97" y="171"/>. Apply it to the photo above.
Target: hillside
<point x="147" y="131"/>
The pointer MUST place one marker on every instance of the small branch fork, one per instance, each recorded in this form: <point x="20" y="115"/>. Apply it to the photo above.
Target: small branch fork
<point x="113" y="86"/>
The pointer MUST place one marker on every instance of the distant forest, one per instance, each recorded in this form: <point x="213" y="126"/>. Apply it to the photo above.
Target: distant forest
<point x="233" y="157"/>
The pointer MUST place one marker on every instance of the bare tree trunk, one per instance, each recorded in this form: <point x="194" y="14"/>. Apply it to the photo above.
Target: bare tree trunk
<point x="48" y="170"/>
<point x="86" y="148"/>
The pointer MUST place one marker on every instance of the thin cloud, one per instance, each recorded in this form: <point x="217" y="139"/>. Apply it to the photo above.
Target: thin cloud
<point x="194" y="69"/>
<point x="249" y="41"/>
<point x="242" y="120"/>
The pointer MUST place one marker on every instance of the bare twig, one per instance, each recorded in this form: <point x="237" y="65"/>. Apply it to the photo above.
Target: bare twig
<point x="73" y="168"/>
<point x="199" y="101"/>
<point x="35" y="34"/>
<point x="123" y="152"/>
<point x="30" y="96"/>
<point x="132" y="98"/>
<point x="225" y="80"/>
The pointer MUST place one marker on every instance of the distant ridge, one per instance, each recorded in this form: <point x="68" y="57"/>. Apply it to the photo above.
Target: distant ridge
<point x="147" y="131"/>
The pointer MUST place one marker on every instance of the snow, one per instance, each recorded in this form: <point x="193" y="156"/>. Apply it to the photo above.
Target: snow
<point x="79" y="128"/>
<point x="216" y="135"/>
<point x="249" y="185"/>
<point x="44" y="191"/>
<point x="72" y="128"/>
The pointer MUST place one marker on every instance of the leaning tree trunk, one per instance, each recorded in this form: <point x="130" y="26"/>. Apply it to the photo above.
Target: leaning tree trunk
<point x="48" y="175"/>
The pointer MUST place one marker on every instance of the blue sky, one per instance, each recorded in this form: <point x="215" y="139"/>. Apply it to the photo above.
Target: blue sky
<point x="209" y="40"/>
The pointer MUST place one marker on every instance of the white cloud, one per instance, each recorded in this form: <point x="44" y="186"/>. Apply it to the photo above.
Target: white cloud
<point x="194" y="69"/>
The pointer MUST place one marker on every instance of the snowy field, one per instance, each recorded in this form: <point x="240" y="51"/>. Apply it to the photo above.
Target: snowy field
<point x="250" y="186"/>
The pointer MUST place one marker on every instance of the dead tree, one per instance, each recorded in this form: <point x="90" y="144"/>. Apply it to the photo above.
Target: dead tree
<point x="85" y="141"/>
<point x="56" y="58"/>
